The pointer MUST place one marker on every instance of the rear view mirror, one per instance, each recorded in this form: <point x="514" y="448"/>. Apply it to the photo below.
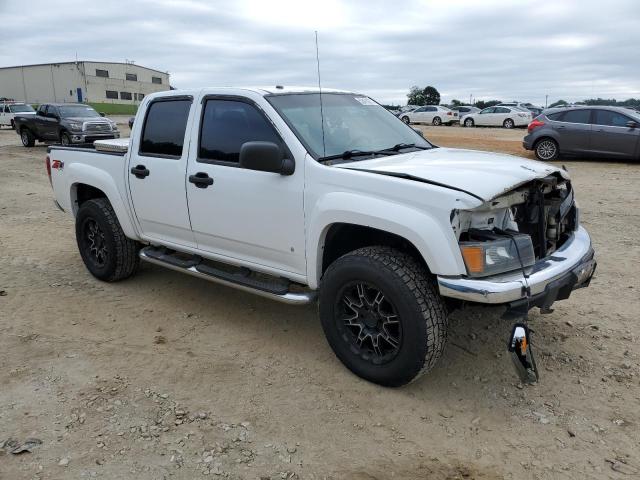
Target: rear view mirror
<point x="265" y="157"/>
<point x="521" y="354"/>
<point x="632" y="124"/>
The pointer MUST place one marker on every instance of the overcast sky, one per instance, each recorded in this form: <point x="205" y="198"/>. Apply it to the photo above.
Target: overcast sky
<point x="505" y="50"/>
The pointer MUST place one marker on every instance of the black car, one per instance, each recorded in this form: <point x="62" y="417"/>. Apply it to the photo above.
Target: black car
<point x="612" y="132"/>
<point x="65" y="123"/>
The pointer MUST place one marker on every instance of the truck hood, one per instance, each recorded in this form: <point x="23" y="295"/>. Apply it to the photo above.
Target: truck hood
<point x="484" y="175"/>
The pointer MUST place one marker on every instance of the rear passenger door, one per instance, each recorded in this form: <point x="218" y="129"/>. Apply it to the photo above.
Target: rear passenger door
<point x="574" y="129"/>
<point x="611" y="136"/>
<point x="156" y="172"/>
<point x="245" y="216"/>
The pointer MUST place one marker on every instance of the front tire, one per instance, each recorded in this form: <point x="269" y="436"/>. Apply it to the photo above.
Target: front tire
<point x="437" y="121"/>
<point x="508" y="123"/>
<point x="28" y="140"/>
<point x="382" y="316"/>
<point x="107" y="253"/>
<point x="13" y="124"/>
<point x="469" y="122"/>
<point x="65" y="139"/>
<point x="406" y="120"/>
<point x="547" y="150"/>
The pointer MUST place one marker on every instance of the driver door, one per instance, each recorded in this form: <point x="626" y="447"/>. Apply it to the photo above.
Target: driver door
<point x="485" y="117"/>
<point x="244" y="215"/>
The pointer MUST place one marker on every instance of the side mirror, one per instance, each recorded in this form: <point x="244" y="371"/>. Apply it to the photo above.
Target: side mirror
<point x="419" y="132"/>
<point x="521" y="354"/>
<point x="632" y="124"/>
<point x="265" y="157"/>
<point x="102" y="114"/>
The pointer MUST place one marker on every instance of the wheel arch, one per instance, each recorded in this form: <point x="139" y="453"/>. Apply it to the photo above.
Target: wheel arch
<point x="368" y="221"/>
<point x="88" y="182"/>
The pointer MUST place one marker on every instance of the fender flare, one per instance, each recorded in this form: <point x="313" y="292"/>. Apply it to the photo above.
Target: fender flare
<point x="434" y="239"/>
<point x="101" y="180"/>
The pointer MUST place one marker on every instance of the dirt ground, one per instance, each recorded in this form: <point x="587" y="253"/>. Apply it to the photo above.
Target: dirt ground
<point x="167" y="376"/>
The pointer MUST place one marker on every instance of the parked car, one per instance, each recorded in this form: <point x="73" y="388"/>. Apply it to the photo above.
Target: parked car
<point x="535" y="111"/>
<point x="406" y="109"/>
<point x="433" y="114"/>
<point x="507" y="117"/>
<point x="463" y="110"/>
<point x="65" y="123"/>
<point x="9" y="109"/>
<point x="273" y="196"/>
<point x="612" y="132"/>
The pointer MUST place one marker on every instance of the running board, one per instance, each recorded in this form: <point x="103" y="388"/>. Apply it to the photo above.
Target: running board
<point x="240" y="278"/>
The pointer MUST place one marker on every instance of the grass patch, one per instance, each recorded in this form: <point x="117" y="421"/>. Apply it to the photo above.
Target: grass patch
<point x="115" y="108"/>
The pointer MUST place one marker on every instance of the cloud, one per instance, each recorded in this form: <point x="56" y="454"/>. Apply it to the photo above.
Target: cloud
<point x="490" y="49"/>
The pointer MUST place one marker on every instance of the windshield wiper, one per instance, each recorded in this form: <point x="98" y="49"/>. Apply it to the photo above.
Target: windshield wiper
<point x="400" y="146"/>
<point x="347" y="155"/>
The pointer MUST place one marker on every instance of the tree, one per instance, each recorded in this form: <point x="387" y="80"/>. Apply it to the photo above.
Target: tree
<point x="415" y="96"/>
<point x="455" y="103"/>
<point x="558" y="103"/>
<point x="431" y="96"/>
<point x="423" y="96"/>
<point x="486" y="103"/>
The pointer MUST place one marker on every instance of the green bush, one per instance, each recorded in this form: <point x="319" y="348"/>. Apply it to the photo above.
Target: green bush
<point x="115" y="108"/>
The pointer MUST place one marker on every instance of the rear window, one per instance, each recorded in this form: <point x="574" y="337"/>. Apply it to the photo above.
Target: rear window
<point x="577" y="116"/>
<point x="164" y="128"/>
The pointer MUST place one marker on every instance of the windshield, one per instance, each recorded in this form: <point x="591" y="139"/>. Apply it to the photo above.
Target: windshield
<point x="351" y="123"/>
<point x="21" y="108"/>
<point x="77" y="111"/>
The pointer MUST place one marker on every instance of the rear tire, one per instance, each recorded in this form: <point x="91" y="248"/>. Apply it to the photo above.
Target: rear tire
<point x="406" y="120"/>
<point x="437" y="121"/>
<point x="382" y="316"/>
<point x="547" y="150"/>
<point x="469" y="122"/>
<point x="508" y="123"/>
<point x="28" y="140"/>
<point x="107" y="253"/>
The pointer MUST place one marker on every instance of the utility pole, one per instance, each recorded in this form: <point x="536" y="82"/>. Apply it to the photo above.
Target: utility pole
<point x="546" y="100"/>
<point x="470" y="95"/>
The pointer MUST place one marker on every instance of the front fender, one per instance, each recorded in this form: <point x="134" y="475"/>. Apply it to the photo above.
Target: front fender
<point x="433" y="238"/>
<point x="80" y="173"/>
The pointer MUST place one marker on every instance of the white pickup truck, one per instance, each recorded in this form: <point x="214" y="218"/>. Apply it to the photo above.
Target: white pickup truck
<point x="298" y="195"/>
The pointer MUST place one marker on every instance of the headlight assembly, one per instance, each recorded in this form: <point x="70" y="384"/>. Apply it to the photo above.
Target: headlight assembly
<point x="497" y="254"/>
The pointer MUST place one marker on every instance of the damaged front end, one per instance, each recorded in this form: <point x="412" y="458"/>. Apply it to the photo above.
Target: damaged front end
<point x="523" y="248"/>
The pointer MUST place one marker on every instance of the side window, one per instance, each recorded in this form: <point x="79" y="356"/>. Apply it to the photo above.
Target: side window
<point x="157" y="80"/>
<point x="102" y="73"/>
<point x="577" y="116"/>
<point x="610" y="118"/>
<point x="42" y="110"/>
<point x="164" y="128"/>
<point x="421" y="109"/>
<point x="53" y="112"/>
<point x="488" y="110"/>
<point x="557" y="116"/>
<point x="501" y="110"/>
<point x="226" y="125"/>
<point x="111" y="94"/>
<point x="431" y="109"/>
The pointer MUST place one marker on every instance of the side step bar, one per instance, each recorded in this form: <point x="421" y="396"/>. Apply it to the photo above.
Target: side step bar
<point x="277" y="289"/>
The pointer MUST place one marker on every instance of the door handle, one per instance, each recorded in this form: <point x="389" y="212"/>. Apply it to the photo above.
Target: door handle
<point x="140" y="171"/>
<point x="201" y="180"/>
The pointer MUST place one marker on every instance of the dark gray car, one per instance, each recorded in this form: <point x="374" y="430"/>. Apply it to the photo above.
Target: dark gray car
<point x="612" y="132"/>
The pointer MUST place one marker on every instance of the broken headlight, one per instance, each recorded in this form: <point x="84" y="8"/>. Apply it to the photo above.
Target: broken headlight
<point x="488" y="253"/>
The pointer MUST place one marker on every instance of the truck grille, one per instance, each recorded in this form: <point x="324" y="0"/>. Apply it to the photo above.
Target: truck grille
<point x="97" y="127"/>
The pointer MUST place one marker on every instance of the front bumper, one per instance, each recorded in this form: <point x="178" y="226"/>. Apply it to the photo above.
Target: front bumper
<point x="549" y="279"/>
<point x="84" y="137"/>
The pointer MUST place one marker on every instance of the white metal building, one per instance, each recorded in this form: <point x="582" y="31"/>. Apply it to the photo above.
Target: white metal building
<point x="82" y="81"/>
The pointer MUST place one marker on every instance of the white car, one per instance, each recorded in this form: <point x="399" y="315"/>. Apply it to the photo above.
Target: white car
<point x="8" y="111"/>
<point x="434" y="114"/>
<point x="251" y="189"/>
<point x="507" y="117"/>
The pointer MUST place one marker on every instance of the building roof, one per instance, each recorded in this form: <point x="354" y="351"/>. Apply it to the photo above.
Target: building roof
<point x="83" y="61"/>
